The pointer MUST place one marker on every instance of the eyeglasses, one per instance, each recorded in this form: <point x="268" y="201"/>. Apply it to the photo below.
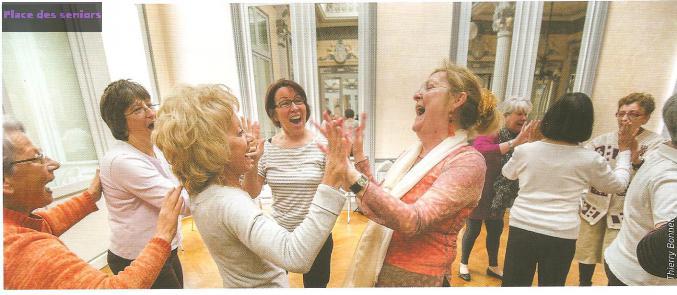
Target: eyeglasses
<point x="285" y="104"/>
<point x="38" y="157"/>
<point x="143" y="109"/>
<point x="425" y="88"/>
<point x="631" y="115"/>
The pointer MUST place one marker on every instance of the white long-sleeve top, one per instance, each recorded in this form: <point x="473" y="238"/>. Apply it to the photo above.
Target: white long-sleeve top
<point x="553" y="178"/>
<point x="250" y="249"/>
<point x="134" y="186"/>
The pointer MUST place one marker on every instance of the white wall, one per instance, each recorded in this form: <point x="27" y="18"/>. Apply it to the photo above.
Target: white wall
<point x="639" y="54"/>
<point x="412" y="40"/>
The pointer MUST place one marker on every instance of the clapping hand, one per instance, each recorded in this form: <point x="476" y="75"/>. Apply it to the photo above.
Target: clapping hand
<point x="254" y="140"/>
<point x="337" y="150"/>
<point x="627" y="138"/>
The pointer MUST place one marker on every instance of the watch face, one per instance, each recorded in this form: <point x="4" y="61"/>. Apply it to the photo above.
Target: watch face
<point x="362" y="181"/>
<point x="359" y="185"/>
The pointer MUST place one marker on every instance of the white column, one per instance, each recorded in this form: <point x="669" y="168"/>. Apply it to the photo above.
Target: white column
<point x="503" y="20"/>
<point x="460" y="33"/>
<point x="528" y="16"/>
<point x="304" y="53"/>
<point x="367" y="72"/>
<point x="591" y="43"/>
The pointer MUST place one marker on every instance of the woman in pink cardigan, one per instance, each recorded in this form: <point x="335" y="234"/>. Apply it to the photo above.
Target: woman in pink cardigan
<point x="430" y="190"/>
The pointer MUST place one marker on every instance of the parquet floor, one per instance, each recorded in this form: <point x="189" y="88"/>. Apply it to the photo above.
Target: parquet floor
<point x="200" y="271"/>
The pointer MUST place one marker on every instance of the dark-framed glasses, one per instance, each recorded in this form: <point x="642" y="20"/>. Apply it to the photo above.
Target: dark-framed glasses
<point x="631" y="115"/>
<point x="38" y="157"/>
<point x="285" y="104"/>
<point x="143" y="109"/>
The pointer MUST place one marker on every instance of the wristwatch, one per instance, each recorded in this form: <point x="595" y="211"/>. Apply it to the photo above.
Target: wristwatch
<point x="510" y="144"/>
<point x="359" y="184"/>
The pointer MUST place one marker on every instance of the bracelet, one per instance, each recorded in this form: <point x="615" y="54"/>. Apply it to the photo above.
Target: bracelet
<point x="360" y="161"/>
<point x="510" y="145"/>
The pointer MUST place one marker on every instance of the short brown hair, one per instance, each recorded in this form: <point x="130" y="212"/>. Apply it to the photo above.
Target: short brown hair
<point x="645" y="100"/>
<point x="116" y="98"/>
<point x="270" y="97"/>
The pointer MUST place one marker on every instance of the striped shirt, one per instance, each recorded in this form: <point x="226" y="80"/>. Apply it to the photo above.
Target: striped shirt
<point x="293" y="175"/>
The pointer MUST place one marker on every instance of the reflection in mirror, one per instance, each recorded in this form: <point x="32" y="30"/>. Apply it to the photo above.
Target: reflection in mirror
<point x="337" y="56"/>
<point x="558" y="49"/>
<point x="490" y="41"/>
<point x="270" y="44"/>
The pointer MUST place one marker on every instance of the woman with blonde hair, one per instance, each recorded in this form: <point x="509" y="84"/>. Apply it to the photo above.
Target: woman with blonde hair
<point x="429" y="191"/>
<point x="201" y="136"/>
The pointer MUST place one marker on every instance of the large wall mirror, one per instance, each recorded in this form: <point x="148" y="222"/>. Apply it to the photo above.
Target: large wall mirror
<point x="316" y="45"/>
<point x="534" y="49"/>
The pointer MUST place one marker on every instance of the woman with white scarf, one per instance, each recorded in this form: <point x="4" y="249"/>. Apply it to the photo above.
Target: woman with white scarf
<point x="431" y="189"/>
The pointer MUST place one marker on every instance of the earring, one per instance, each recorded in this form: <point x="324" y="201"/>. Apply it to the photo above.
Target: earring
<point x="451" y="118"/>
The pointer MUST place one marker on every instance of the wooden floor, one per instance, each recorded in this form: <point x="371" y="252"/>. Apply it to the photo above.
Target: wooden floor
<point x="200" y="271"/>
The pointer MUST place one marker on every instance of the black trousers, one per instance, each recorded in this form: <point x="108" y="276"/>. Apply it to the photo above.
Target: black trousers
<point x="472" y="230"/>
<point x="527" y="249"/>
<point x="170" y="277"/>
<point x="613" y="280"/>
<point x="318" y="275"/>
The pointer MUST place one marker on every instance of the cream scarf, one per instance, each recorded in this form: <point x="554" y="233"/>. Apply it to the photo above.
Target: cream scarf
<point x="373" y="245"/>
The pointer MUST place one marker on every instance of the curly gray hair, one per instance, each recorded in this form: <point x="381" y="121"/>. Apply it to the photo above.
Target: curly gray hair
<point x="9" y="126"/>
<point x="516" y="104"/>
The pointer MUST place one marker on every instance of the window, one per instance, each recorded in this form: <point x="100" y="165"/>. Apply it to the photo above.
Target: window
<point x="43" y="91"/>
<point x="262" y="65"/>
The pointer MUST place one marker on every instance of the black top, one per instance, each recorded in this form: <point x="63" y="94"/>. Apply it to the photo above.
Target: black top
<point x="657" y="249"/>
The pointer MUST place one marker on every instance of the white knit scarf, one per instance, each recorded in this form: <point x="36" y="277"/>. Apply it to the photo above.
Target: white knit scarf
<point x="374" y="242"/>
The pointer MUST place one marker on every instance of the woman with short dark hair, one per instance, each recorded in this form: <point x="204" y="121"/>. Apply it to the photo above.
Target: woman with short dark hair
<point x="553" y="175"/>
<point x="135" y="177"/>
<point x="292" y="165"/>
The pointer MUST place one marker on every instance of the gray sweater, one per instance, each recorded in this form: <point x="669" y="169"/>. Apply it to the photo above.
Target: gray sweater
<point x="250" y="249"/>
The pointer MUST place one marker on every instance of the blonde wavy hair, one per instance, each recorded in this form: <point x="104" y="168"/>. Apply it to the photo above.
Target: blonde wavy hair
<point x="478" y="115"/>
<point x="191" y="130"/>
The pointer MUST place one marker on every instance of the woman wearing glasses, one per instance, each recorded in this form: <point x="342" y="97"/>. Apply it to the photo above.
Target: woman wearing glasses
<point x="417" y="212"/>
<point x="135" y="178"/>
<point x="292" y="165"/>
<point x="602" y="212"/>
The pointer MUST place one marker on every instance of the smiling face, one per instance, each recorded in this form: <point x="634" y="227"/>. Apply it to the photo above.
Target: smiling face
<point x="432" y="106"/>
<point x="515" y="120"/>
<point x="293" y="117"/>
<point x="140" y="118"/>
<point x="26" y="188"/>
<point x="239" y="162"/>
<point x="633" y="114"/>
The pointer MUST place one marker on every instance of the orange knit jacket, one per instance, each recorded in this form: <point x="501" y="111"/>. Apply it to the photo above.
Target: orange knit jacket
<point x="36" y="259"/>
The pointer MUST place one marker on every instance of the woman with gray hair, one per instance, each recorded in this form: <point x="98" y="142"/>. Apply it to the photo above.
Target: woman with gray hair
<point x="496" y="150"/>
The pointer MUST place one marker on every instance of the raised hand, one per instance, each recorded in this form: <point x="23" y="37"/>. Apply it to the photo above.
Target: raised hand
<point x="627" y="138"/>
<point x="358" y="137"/>
<point x="169" y="214"/>
<point x="533" y="131"/>
<point x="94" y="189"/>
<point x="254" y="140"/>
<point x="337" y="150"/>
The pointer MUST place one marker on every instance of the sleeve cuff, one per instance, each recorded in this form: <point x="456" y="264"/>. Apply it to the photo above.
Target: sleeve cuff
<point x="329" y="199"/>
<point x="623" y="159"/>
<point x="90" y="204"/>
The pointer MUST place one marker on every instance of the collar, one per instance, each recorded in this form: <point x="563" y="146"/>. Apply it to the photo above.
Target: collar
<point x="21" y="219"/>
<point x="668" y="152"/>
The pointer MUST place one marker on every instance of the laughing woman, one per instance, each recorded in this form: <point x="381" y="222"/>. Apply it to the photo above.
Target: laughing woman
<point x="135" y="177"/>
<point x="199" y="132"/>
<point x="293" y="166"/>
<point x="429" y="191"/>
